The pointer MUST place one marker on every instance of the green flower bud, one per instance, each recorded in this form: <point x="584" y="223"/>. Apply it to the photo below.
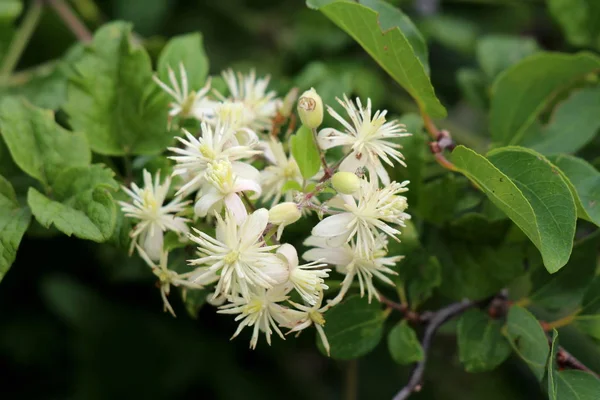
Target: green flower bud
<point x="345" y="182"/>
<point x="288" y="103"/>
<point x="284" y="213"/>
<point x="310" y="109"/>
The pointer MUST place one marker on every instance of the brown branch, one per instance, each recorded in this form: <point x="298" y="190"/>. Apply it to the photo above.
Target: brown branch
<point x="71" y="20"/>
<point x="435" y="321"/>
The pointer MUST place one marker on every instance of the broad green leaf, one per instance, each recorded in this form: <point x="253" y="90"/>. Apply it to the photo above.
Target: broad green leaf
<point x="14" y="221"/>
<point x="450" y="188"/>
<point x="188" y="51"/>
<point x="305" y="152"/>
<point x="389" y="47"/>
<point x="419" y="274"/>
<point x="528" y="339"/>
<point x="579" y="20"/>
<point x="573" y="124"/>
<point x="588" y="319"/>
<point x="353" y="328"/>
<point x="404" y="345"/>
<point x="455" y="32"/>
<point x="477" y="228"/>
<point x="38" y="145"/>
<point x="475" y="270"/>
<point x="521" y="93"/>
<point x="585" y="181"/>
<point x="495" y="53"/>
<point x="528" y="189"/>
<point x="481" y="345"/>
<point x="549" y="196"/>
<point x="194" y="300"/>
<point x="9" y="10"/>
<point x="81" y="204"/>
<point x="569" y="384"/>
<point x="565" y="288"/>
<point x="112" y="98"/>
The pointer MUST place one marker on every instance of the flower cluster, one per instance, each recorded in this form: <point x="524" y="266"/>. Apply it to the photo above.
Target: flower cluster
<point x="239" y="188"/>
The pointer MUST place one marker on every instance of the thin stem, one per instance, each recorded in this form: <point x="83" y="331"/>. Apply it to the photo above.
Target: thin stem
<point x="559" y="323"/>
<point x="128" y="170"/>
<point x="21" y="39"/>
<point x="433" y="131"/>
<point x="71" y="20"/>
<point x="351" y="389"/>
<point x="248" y="202"/>
<point x="437" y="319"/>
<point x="564" y="359"/>
<point x="326" y="168"/>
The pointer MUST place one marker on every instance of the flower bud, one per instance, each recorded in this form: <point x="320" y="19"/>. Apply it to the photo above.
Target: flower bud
<point x="345" y="182"/>
<point x="310" y="109"/>
<point x="283" y="215"/>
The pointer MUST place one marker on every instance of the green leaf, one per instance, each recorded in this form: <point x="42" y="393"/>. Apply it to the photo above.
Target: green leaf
<point x="187" y="50"/>
<point x="38" y="145"/>
<point x="573" y="124"/>
<point x="472" y="84"/>
<point x="194" y="300"/>
<point x="112" y="98"/>
<point x="528" y="339"/>
<point x="353" y="328"/>
<point x="588" y="319"/>
<point x="495" y="53"/>
<point x="528" y="189"/>
<point x="584" y="181"/>
<point x="388" y="45"/>
<point x="481" y="345"/>
<point x="404" y="345"/>
<point x="10" y="9"/>
<point x="14" y="221"/>
<point x="419" y="274"/>
<point x="305" y="152"/>
<point x="449" y="187"/>
<point x="569" y="384"/>
<point x="565" y="288"/>
<point x="521" y="93"/>
<point x="81" y="204"/>
<point x="579" y="20"/>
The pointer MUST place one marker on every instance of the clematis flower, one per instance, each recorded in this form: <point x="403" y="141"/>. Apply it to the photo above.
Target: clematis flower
<point x="305" y="316"/>
<point x="186" y="103"/>
<point x="373" y="210"/>
<point x="153" y="217"/>
<point x="354" y="264"/>
<point x="167" y="277"/>
<point x="239" y="255"/>
<point x="369" y="137"/>
<point x="259" y="311"/>
<point x="223" y="187"/>
<point x="261" y="105"/>
<point x="275" y="176"/>
<point x="307" y="279"/>
<point x="213" y="145"/>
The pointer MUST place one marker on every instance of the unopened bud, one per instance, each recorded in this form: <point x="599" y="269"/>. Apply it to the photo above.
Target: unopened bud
<point x="345" y="182"/>
<point x="288" y="103"/>
<point x="310" y="109"/>
<point x="284" y="214"/>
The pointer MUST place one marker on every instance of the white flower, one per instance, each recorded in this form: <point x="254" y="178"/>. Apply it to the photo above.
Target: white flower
<point x="306" y="316"/>
<point x="186" y="104"/>
<point x="154" y="217"/>
<point x="261" y="105"/>
<point x="260" y="311"/>
<point x="167" y="277"/>
<point x="368" y="136"/>
<point x="213" y="145"/>
<point x="375" y="209"/>
<point x="307" y="279"/>
<point x="351" y="262"/>
<point x="239" y="254"/>
<point x="281" y="170"/>
<point x="223" y="188"/>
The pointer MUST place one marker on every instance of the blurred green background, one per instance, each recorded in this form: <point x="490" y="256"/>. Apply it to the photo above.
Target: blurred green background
<point x="90" y="325"/>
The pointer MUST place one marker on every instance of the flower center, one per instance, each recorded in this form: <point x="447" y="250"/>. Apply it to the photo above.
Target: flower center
<point x="232" y="257"/>
<point x="150" y="201"/>
<point x="317" y="317"/>
<point x="220" y="174"/>
<point x="207" y="151"/>
<point x="188" y="104"/>
<point x="253" y="306"/>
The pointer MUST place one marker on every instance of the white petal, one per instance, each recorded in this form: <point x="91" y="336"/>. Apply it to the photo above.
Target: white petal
<point x="153" y="243"/>
<point x="334" y="225"/>
<point x="338" y="256"/>
<point x="254" y="226"/>
<point x="236" y="206"/>
<point x="242" y="185"/>
<point x="206" y="202"/>
<point x="277" y="271"/>
<point x="352" y="163"/>
<point x="245" y="170"/>
<point x="290" y="254"/>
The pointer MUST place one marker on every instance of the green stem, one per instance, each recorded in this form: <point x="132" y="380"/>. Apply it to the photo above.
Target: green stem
<point x="21" y="38"/>
<point x="71" y="20"/>
<point x="351" y="390"/>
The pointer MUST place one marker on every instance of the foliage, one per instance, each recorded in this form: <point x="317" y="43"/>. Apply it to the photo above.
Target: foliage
<point x="501" y="233"/>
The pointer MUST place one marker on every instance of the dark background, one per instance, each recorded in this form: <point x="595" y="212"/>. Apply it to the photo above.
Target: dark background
<point x="80" y="320"/>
